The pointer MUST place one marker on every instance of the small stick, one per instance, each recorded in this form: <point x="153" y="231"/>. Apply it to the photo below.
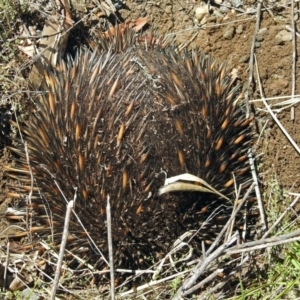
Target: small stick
<point x="151" y="284"/>
<point x="262" y="131"/>
<point x="30" y="193"/>
<point x="110" y="250"/>
<point x="228" y="234"/>
<point x="203" y="282"/>
<point x="257" y="192"/>
<point x="294" y="60"/>
<point x="62" y="249"/>
<point x="30" y="171"/>
<point x="188" y="42"/>
<point x="6" y="266"/>
<point x="263" y="244"/>
<point x="251" y="62"/>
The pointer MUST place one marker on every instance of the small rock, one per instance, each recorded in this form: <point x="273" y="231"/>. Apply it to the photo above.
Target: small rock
<point x="225" y="7"/>
<point x="229" y="32"/>
<point x="250" y="10"/>
<point x="262" y="31"/>
<point x="236" y="3"/>
<point x="257" y="45"/>
<point x="239" y="29"/>
<point x="259" y="38"/>
<point x="244" y="58"/>
<point x="201" y="12"/>
<point x="30" y="295"/>
<point x="283" y="36"/>
<point x="276" y="76"/>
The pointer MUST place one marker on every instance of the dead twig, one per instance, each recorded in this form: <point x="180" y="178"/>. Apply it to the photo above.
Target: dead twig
<point x="294" y="60"/>
<point x="263" y="221"/>
<point x="110" y="250"/>
<point x="203" y="282"/>
<point x="30" y="192"/>
<point x="62" y="248"/>
<point x="265" y="243"/>
<point x="251" y="61"/>
<point x="6" y="266"/>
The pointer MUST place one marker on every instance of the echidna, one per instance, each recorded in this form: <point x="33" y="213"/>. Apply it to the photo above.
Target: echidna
<point x="119" y="123"/>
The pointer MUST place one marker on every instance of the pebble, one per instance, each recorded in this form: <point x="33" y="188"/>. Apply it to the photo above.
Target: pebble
<point x="225" y="8"/>
<point x="30" y="295"/>
<point x="229" y="32"/>
<point x="283" y="36"/>
<point x="262" y="31"/>
<point x="259" y="38"/>
<point x="236" y="3"/>
<point x="244" y="58"/>
<point x="239" y="29"/>
<point x="201" y="13"/>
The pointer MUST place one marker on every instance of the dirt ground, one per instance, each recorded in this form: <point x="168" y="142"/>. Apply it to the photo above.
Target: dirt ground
<point x="228" y="37"/>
